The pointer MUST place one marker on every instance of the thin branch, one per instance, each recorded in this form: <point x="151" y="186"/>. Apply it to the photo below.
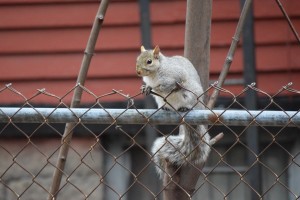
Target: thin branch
<point x="231" y="52"/>
<point x="288" y="20"/>
<point x="68" y="133"/>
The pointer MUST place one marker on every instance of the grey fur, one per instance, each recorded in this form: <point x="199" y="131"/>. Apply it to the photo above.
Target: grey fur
<point x="162" y="76"/>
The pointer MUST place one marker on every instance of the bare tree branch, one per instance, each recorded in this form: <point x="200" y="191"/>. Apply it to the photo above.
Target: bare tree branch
<point x="230" y="55"/>
<point x="288" y="20"/>
<point x="68" y="133"/>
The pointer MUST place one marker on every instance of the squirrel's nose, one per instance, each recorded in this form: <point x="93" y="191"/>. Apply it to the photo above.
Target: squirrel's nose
<point x="138" y="72"/>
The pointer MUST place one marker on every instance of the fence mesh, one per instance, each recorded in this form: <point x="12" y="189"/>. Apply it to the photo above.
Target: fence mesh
<point x="113" y="160"/>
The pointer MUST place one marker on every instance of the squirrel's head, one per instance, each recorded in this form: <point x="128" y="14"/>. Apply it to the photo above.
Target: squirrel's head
<point x="148" y="61"/>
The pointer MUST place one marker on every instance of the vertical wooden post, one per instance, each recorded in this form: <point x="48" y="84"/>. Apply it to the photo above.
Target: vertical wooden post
<point x="197" y="37"/>
<point x="197" y="49"/>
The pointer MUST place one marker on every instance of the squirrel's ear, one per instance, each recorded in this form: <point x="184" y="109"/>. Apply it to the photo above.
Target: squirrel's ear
<point x="156" y="51"/>
<point x="143" y="48"/>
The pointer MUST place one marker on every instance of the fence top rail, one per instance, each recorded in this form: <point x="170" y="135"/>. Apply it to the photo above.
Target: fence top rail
<point x="153" y="116"/>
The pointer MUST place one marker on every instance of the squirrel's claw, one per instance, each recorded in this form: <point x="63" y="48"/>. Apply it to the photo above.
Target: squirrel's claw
<point x="146" y="89"/>
<point x="179" y="85"/>
<point x="183" y="109"/>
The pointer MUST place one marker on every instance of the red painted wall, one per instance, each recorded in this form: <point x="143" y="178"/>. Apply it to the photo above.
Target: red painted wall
<point x="42" y="44"/>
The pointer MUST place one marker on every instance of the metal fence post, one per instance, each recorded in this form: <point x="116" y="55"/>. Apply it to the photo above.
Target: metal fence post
<point x="252" y="136"/>
<point x="145" y="28"/>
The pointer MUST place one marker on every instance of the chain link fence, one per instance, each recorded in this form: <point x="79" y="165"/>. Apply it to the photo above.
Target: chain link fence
<point x="110" y="158"/>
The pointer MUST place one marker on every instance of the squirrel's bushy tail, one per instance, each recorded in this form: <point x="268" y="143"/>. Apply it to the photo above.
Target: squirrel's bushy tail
<point x="190" y="146"/>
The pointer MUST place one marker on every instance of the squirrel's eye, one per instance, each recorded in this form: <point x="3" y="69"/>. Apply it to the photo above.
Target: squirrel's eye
<point x="149" y="61"/>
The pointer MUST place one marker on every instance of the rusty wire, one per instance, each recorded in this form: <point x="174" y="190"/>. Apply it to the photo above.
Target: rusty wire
<point x="87" y="161"/>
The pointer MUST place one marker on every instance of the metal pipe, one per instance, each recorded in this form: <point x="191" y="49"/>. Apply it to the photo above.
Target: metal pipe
<point x="145" y="23"/>
<point x="150" y="136"/>
<point x="252" y="135"/>
<point x="153" y="116"/>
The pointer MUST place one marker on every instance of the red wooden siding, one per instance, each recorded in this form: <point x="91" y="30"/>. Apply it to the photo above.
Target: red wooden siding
<point x="42" y="44"/>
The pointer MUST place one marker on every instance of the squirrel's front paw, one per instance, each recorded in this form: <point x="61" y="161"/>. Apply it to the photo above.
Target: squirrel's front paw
<point x="183" y="109"/>
<point x="146" y="89"/>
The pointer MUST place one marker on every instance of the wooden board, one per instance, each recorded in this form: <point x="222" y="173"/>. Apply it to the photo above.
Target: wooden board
<point x="42" y="42"/>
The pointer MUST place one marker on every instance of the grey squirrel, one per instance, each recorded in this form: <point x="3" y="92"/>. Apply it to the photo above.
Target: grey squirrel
<point x="176" y="85"/>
